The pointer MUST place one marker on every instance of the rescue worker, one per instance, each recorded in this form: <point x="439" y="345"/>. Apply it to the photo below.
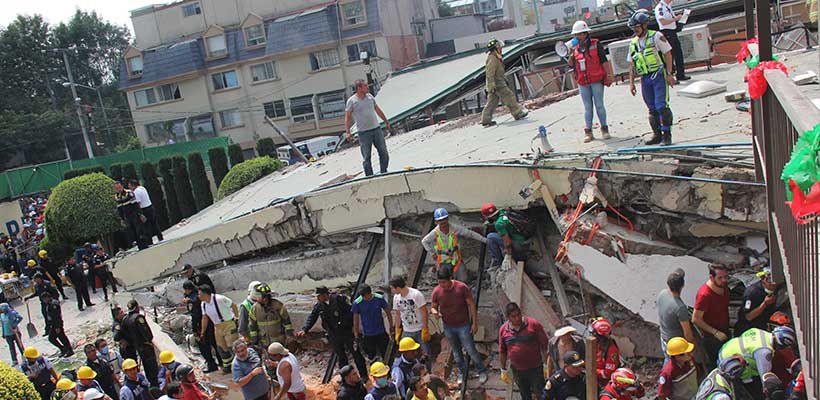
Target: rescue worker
<point x="291" y="384"/>
<point x="190" y="390"/>
<point x="591" y="72"/>
<point x="126" y="349"/>
<point x="798" y="386"/>
<point x="650" y="57"/>
<point x="350" y="384"/>
<point x="569" y="382"/>
<point x="135" y="386"/>
<point x="719" y="384"/>
<point x="270" y="318"/>
<point x="443" y="241"/>
<point x="86" y="377"/>
<point x="75" y="274"/>
<point x="522" y="341"/>
<point x="245" y="314"/>
<point x="207" y="343"/>
<point x="104" y="375"/>
<point x="623" y="385"/>
<point x="759" y="303"/>
<point x="383" y="388"/>
<point x="41" y="285"/>
<point x="758" y="348"/>
<point x="101" y="271"/>
<point x="39" y="371"/>
<point x="112" y="358"/>
<point x="505" y="239"/>
<point x="337" y="321"/>
<point x="369" y="310"/>
<point x="138" y="334"/>
<point x="65" y="389"/>
<point x="198" y="278"/>
<point x="497" y="88"/>
<point x="167" y="372"/>
<point x="129" y="211"/>
<point x="53" y="272"/>
<point x="609" y="356"/>
<point x="222" y="312"/>
<point x="402" y="369"/>
<point x="679" y="376"/>
<point x="54" y="325"/>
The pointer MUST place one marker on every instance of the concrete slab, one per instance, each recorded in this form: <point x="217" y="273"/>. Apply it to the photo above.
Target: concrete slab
<point x="701" y="89"/>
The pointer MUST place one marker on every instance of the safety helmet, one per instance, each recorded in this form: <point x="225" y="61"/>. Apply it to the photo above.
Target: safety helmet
<point x="58" y="394"/>
<point x="489" y="210"/>
<point x="31" y="263"/>
<point x="85" y="372"/>
<point x="42" y="253"/>
<point x="579" y="27"/>
<point x="252" y="286"/>
<point x="493" y="43"/>
<point x="622" y="378"/>
<point x="678" y="345"/>
<point x="408" y="344"/>
<point x="92" y="394"/>
<point x="732" y="367"/>
<point x="65" y="384"/>
<point x="31" y="352"/>
<point x="779" y="318"/>
<point x="602" y="327"/>
<point x="440" y="214"/>
<point x="128" y="363"/>
<point x="378" y="369"/>
<point x="639" y="17"/>
<point x="188" y="285"/>
<point x="783" y="337"/>
<point x="262" y="289"/>
<point x="166" y="357"/>
<point x="183" y="371"/>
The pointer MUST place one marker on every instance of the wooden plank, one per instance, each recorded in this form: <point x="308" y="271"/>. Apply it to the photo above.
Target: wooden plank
<point x="287" y="139"/>
<point x="563" y="301"/>
<point x="591" y="350"/>
<point x="515" y="297"/>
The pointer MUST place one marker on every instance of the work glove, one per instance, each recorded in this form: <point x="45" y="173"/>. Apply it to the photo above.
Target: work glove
<point x="398" y="335"/>
<point x="425" y="335"/>
<point x="546" y="372"/>
<point x="505" y="377"/>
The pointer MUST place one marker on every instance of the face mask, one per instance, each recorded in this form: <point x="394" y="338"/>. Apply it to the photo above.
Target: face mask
<point x="768" y="291"/>
<point x="381" y="382"/>
<point x="104" y="350"/>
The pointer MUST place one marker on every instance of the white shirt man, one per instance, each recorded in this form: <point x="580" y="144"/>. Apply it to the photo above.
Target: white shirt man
<point x="142" y="197"/>
<point x="665" y="16"/>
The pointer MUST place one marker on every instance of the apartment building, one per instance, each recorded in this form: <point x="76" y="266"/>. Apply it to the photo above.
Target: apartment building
<point x="205" y="68"/>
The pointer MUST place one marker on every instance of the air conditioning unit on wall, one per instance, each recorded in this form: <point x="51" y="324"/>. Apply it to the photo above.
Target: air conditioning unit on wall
<point x="696" y="43"/>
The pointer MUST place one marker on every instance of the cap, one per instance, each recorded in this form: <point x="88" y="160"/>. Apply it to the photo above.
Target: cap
<point x="574" y="359"/>
<point x="563" y="331"/>
<point x="187" y="267"/>
<point x="277" y="348"/>
<point x="322" y="290"/>
<point x="345" y="371"/>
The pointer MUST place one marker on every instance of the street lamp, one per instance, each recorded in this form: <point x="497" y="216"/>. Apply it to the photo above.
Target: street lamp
<point x="102" y="106"/>
<point x="72" y="85"/>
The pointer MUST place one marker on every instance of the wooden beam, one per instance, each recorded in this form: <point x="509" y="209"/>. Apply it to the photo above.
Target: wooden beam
<point x="591" y="350"/>
<point x="563" y="301"/>
<point x="287" y="139"/>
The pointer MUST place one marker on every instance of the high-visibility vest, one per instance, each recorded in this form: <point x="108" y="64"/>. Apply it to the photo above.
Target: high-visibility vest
<point x="746" y="345"/>
<point x="248" y="305"/>
<point x="713" y="384"/>
<point x="649" y="60"/>
<point x="447" y="253"/>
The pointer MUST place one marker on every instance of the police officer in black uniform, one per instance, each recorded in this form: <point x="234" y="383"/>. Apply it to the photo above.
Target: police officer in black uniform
<point x="75" y="274"/>
<point x="100" y="268"/>
<point x="54" y="325"/>
<point x="48" y="264"/>
<point x="43" y="285"/>
<point x="126" y="350"/>
<point x="337" y="320"/>
<point x="569" y="382"/>
<point x="137" y="333"/>
<point x="198" y="278"/>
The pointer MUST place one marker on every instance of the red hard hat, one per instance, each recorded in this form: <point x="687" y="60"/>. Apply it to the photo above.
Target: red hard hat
<point x="623" y="378"/>
<point x="780" y="318"/>
<point x="602" y="327"/>
<point x="488" y="210"/>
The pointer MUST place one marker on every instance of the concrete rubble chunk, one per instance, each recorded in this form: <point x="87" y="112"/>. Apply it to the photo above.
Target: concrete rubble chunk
<point x="805" y="79"/>
<point x="702" y="89"/>
<point x="734" y="97"/>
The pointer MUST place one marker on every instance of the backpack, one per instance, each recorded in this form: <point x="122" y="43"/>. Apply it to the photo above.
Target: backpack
<point x="521" y="222"/>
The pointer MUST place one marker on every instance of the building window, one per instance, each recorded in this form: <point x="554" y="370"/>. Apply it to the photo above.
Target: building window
<point x="354" y="50"/>
<point x="224" y="80"/>
<point x="554" y="21"/>
<point x="216" y="46"/>
<point x="263" y="72"/>
<point x="191" y="9"/>
<point x="145" y="97"/>
<point x="275" y="109"/>
<point x="332" y="105"/>
<point x="301" y="108"/>
<point x="161" y="132"/>
<point x="323" y="59"/>
<point x="202" y="126"/>
<point x="584" y="10"/>
<point x="230" y="118"/>
<point x="169" y="92"/>
<point x="255" y="35"/>
<point x="135" y="66"/>
<point x="353" y="14"/>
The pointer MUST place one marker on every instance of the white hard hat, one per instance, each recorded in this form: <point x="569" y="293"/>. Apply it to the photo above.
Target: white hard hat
<point x="252" y="286"/>
<point x="580" y="27"/>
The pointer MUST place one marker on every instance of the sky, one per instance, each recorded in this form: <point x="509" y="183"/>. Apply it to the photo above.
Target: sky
<point x="56" y="11"/>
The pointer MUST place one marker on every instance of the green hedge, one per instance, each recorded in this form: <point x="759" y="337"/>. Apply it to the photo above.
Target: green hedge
<point x="266" y="147"/>
<point x="82" y="209"/>
<point x="199" y="181"/>
<point x="219" y="163"/>
<point x="73" y="173"/>
<point x="235" y="154"/>
<point x="166" y="170"/>
<point x="182" y="184"/>
<point x="154" y="187"/>
<point x="246" y="173"/>
<point x="129" y="171"/>
<point x="116" y="172"/>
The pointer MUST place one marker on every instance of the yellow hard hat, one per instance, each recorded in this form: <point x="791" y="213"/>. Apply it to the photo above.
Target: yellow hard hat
<point x="85" y="372"/>
<point x="678" y="345"/>
<point x="408" y="344"/>
<point x="31" y="263"/>
<point x="42" y="253"/>
<point x="166" y="357"/>
<point x="31" y="352"/>
<point x="378" y="369"/>
<point x="128" y="364"/>
<point x="66" y="384"/>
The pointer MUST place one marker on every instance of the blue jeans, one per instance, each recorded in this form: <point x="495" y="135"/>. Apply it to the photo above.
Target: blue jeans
<point x="495" y="244"/>
<point x="656" y="96"/>
<point x="368" y="139"/>
<point x="462" y="337"/>
<point x="593" y="93"/>
<point x="425" y="347"/>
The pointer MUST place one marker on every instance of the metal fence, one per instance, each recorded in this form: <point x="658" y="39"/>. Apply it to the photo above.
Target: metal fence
<point x="779" y="118"/>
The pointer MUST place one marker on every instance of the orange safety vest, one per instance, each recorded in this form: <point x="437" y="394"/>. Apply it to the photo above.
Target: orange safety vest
<point x="449" y="254"/>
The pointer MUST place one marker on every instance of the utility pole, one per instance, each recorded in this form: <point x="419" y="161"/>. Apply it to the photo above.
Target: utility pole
<point x="537" y="18"/>
<point x="105" y="118"/>
<point x="74" y="97"/>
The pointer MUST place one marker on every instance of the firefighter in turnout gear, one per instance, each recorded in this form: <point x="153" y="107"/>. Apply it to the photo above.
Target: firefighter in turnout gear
<point x="443" y="240"/>
<point x="609" y="356"/>
<point x="137" y="333"/>
<point x="623" y="385"/>
<point x="246" y="314"/>
<point x="271" y="319"/>
<point x="497" y="89"/>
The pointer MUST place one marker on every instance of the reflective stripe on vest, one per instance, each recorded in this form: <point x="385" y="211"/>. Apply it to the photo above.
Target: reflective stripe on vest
<point x="648" y="60"/>
<point x="449" y="254"/>
<point x="746" y="345"/>
<point x="713" y="384"/>
<point x="592" y="70"/>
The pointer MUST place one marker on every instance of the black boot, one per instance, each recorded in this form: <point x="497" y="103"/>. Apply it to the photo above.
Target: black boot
<point x="655" y="123"/>
<point x="666" y="138"/>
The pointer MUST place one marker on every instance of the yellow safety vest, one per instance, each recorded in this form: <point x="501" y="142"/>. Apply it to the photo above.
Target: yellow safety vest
<point x="745" y="345"/>
<point x="646" y="61"/>
<point x="447" y="253"/>
<point x="713" y="384"/>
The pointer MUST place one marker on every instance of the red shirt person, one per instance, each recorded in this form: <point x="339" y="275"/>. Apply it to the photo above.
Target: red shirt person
<point x="711" y="313"/>
<point x="523" y="341"/>
<point x="608" y="358"/>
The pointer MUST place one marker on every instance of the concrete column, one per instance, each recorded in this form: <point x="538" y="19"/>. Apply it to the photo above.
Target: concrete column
<point x="388" y="241"/>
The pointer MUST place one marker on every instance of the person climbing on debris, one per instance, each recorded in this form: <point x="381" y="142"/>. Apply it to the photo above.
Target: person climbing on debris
<point x="288" y="374"/>
<point x="207" y="343"/>
<point x="609" y="356"/>
<point x="679" y="376"/>
<point x="522" y="340"/>
<point x="270" y="318"/>
<point x="564" y="340"/>
<point x="246" y="314"/>
<point x="368" y="322"/>
<point x="623" y="385"/>
<point x="723" y="382"/>
<point x="591" y="67"/>
<point x="497" y="89"/>
<point x="443" y="241"/>
<point x="569" y="382"/>
<point x="509" y="236"/>
<point x="673" y="314"/>
<point x="220" y="311"/>
<point x="248" y="372"/>
<point x="118" y="316"/>
<point x="410" y="314"/>
<point x="197" y="277"/>
<point x="650" y="57"/>
<point x="759" y="348"/>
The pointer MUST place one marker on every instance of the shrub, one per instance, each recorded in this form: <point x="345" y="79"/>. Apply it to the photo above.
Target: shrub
<point x="199" y="181"/>
<point x="116" y="172"/>
<point x="246" y="173"/>
<point x="154" y="187"/>
<point x="82" y="209"/>
<point x="129" y="171"/>
<point x="266" y="147"/>
<point x="15" y="385"/>
<point x="219" y="163"/>
<point x="182" y="184"/>
<point x="235" y="154"/>
<point x="73" y="173"/>
<point x="166" y="170"/>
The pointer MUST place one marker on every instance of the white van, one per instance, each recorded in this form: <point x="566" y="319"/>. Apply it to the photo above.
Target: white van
<point x="313" y="147"/>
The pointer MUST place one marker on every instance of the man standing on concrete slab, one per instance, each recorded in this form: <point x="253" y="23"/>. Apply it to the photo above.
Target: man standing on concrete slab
<point x="149" y="218"/>
<point x="497" y="89"/>
<point x="362" y="109"/>
<point x="673" y="314"/>
<point x="523" y="340"/>
<point x="443" y="241"/>
<point x="711" y="313"/>
<point x="668" y="25"/>
<point x="367" y="313"/>
<point x="410" y="314"/>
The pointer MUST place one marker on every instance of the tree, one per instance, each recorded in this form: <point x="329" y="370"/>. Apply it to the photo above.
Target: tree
<point x="182" y="184"/>
<point x="129" y="171"/>
<point x="154" y="187"/>
<point x="82" y="209"/>
<point x="266" y="147"/>
<point x="444" y="9"/>
<point x="235" y="154"/>
<point x="73" y="173"/>
<point x="199" y="181"/>
<point x="219" y="163"/>
<point x="246" y="173"/>
<point x="166" y="170"/>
